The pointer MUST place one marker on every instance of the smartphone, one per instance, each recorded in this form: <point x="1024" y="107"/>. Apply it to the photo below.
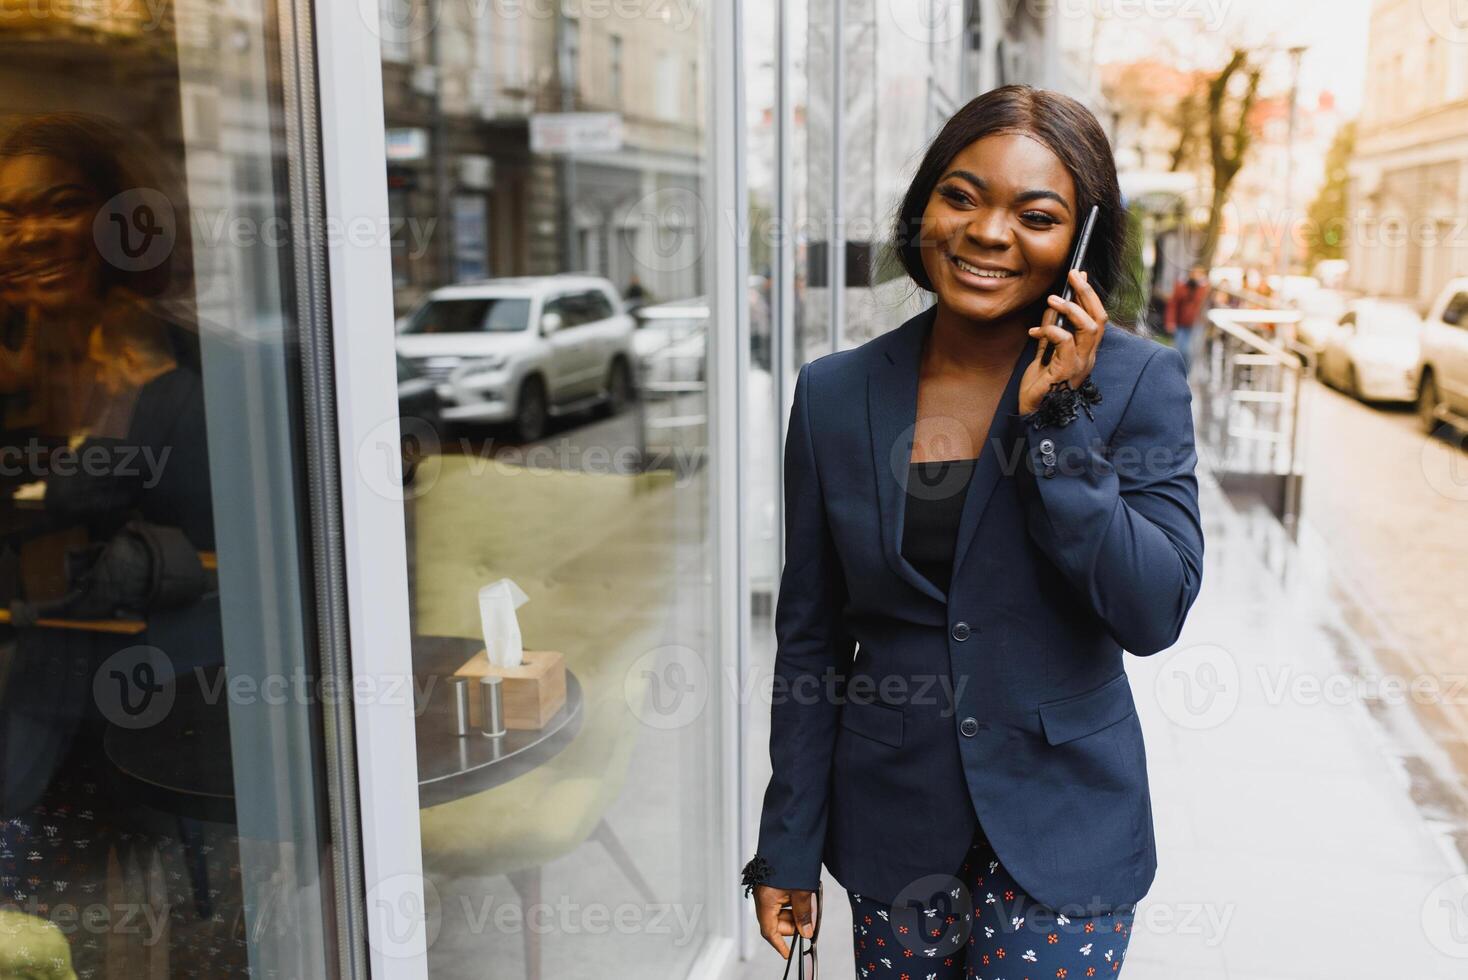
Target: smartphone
<point x="1077" y="259"/>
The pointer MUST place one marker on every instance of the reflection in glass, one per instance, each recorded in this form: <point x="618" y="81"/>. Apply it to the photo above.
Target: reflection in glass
<point x="489" y="315"/>
<point x="157" y="819"/>
<point x="553" y="296"/>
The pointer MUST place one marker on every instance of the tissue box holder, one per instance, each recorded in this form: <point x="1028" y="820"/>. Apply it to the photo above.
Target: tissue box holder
<point x="533" y="691"/>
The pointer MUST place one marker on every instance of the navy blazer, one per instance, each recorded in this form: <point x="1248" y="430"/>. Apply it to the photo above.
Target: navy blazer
<point x="900" y="714"/>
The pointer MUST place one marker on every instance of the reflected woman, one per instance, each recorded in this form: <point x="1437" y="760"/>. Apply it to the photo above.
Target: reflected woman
<point x="974" y="538"/>
<point x="88" y="363"/>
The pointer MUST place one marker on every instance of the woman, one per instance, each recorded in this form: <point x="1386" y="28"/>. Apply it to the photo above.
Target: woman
<point x="89" y="361"/>
<point x="969" y="552"/>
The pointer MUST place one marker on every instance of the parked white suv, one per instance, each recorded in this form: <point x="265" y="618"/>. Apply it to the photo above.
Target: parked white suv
<point x="521" y="349"/>
<point x="1442" y="379"/>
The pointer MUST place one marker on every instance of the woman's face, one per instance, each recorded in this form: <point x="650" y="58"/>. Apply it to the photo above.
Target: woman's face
<point x="47" y="255"/>
<point x="1006" y="208"/>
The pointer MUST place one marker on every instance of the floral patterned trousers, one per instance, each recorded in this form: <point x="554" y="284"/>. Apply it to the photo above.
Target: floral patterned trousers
<point x="979" y="925"/>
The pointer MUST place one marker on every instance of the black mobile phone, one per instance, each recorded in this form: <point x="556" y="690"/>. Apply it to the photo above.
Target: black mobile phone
<point x="1077" y="259"/>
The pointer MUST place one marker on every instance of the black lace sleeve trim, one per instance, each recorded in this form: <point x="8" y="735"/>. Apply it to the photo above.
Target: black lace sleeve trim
<point x="756" y="872"/>
<point x="1062" y="403"/>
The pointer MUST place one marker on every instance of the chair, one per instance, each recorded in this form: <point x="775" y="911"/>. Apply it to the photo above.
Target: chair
<point x="577" y="543"/>
<point x="33" y="947"/>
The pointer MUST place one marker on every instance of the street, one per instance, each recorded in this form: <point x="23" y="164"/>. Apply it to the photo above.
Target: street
<point x="1390" y="507"/>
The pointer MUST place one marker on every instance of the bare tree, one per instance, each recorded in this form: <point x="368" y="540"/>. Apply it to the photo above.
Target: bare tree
<point x="1229" y="136"/>
<point x="1187" y="120"/>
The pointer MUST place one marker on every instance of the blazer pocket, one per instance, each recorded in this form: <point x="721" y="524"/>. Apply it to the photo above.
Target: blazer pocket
<point x="876" y="721"/>
<point x="1070" y="718"/>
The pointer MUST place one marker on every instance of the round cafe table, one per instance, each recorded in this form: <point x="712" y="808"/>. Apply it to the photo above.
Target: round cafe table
<point x="183" y="763"/>
<point x="452" y="766"/>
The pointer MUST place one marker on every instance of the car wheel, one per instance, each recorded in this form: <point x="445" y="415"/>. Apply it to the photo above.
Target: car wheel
<point x="1322" y="372"/>
<point x="530" y="410"/>
<point x="1427" y="403"/>
<point x="1333" y="378"/>
<point x="619" y="387"/>
<point x="1353" y="382"/>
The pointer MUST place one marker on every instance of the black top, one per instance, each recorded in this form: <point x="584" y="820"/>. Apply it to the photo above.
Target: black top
<point x="935" y="493"/>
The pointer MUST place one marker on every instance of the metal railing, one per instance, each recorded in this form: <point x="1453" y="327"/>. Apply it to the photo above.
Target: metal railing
<point x="1251" y="376"/>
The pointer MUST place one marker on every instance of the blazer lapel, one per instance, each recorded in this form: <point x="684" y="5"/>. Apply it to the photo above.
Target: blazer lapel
<point x="992" y="459"/>
<point x="892" y="388"/>
<point x="891" y="415"/>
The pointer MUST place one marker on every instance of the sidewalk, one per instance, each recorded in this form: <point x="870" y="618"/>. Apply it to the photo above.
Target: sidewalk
<point x="1303" y="828"/>
<point x="1303" y="831"/>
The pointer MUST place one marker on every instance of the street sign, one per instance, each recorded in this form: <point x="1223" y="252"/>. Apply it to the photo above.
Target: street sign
<point x="575" y="132"/>
<point x="406" y="143"/>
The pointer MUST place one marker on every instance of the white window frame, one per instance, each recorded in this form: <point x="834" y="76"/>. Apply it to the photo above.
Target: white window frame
<point x="349" y="62"/>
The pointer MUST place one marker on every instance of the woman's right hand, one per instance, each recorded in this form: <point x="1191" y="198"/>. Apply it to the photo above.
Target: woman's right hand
<point x="778" y="909"/>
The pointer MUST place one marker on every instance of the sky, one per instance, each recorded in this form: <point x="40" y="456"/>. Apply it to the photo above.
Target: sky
<point x="1334" y="33"/>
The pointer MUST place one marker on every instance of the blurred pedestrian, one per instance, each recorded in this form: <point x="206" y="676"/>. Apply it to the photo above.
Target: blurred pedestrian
<point x="636" y="294"/>
<point x="1184" y="307"/>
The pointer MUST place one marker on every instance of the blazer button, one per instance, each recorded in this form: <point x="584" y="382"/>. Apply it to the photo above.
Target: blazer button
<point x="969" y="727"/>
<point x="961" y="631"/>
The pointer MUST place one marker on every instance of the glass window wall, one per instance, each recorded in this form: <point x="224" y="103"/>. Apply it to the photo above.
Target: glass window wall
<point x="163" y="780"/>
<point x="547" y="164"/>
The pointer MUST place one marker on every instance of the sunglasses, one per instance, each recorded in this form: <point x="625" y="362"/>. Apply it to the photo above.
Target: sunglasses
<point x="802" y="950"/>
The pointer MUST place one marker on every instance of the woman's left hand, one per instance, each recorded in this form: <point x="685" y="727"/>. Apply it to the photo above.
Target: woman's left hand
<point x="1075" y="354"/>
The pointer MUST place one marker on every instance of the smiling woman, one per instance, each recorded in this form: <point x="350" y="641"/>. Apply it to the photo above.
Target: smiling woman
<point x="1001" y="190"/>
<point x="1023" y="581"/>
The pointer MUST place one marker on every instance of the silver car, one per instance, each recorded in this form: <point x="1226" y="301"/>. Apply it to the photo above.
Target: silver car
<point x="1372" y="353"/>
<point x="520" y="350"/>
<point x="1320" y="315"/>
<point x="1442" y="391"/>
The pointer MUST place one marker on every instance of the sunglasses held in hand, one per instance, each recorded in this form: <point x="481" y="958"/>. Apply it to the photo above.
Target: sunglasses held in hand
<point x="803" y="951"/>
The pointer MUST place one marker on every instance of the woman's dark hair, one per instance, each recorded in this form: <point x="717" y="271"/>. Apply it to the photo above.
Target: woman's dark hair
<point x="1072" y="133"/>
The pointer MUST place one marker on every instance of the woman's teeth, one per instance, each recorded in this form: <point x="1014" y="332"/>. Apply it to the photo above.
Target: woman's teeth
<point x="975" y="270"/>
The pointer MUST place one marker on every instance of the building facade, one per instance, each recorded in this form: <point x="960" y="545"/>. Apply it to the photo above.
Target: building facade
<point x="1409" y="174"/>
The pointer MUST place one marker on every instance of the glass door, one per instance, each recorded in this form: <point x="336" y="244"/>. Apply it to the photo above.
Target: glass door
<point x="169" y="801"/>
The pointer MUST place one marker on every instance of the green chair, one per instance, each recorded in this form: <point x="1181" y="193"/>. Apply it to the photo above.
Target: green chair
<point x="32" y="948"/>
<point x="594" y="555"/>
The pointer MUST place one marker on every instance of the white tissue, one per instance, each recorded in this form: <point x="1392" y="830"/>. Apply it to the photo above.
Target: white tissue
<point x="497" y="604"/>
